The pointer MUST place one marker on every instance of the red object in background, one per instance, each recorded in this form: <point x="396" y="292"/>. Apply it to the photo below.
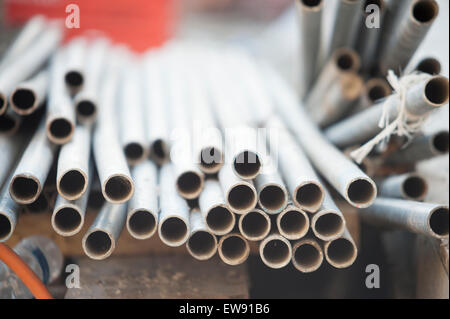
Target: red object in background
<point x="139" y="23"/>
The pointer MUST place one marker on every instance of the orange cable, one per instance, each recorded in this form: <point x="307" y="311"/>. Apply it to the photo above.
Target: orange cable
<point x="21" y="269"/>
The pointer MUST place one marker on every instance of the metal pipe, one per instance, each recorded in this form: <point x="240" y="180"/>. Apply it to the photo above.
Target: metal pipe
<point x="275" y="251"/>
<point x="307" y="255"/>
<point x="29" y="95"/>
<point x="240" y="195"/>
<point x="75" y="64"/>
<point x="272" y="193"/>
<point x="420" y="218"/>
<point x="68" y="215"/>
<point x="87" y="100"/>
<point x="374" y="90"/>
<point x="9" y="213"/>
<point x="101" y="239"/>
<point x="60" y="110"/>
<point x="329" y="223"/>
<point x="355" y="186"/>
<point x="216" y="213"/>
<point x="132" y="130"/>
<point x="73" y="165"/>
<point x="293" y="223"/>
<point x="254" y="225"/>
<point x="302" y="181"/>
<point x="422" y="148"/>
<point x="345" y="25"/>
<point x="430" y="66"/>
<point x="421" y="99"/>
<point x="32" y="170"/>
<point x="342" y="252"/>
<point x="10" y="123"/>
<point x="233" y="249"/>
<point x="310" y="19"/>
<point x="113" y="171"/>
<point x="143" y="208"/>
<point x="26" y="64"/>
<point x="156" y="115"/>
<point x="173" y="227"/>
<point x="408" y="35"/>
<point x="410" y="186"/>
<point x="202" y="243"/>
<point x="336" y="89"/>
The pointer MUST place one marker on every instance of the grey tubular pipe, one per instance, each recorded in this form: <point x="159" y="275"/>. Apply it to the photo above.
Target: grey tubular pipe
<point x="9" y="213"/>
<point x="73" y="165"/>
<point x="275" y="251"/>
<point x="420" y="218"/>
<point x="307" y="255"/>
<point x="374" y="90"/>
<point x="233" y="249"/>
<point x="422" y="148"/>
<point x="32" y="170"/>
<point x="409" y="34"/>
<point x="310" y="19"/>
<point x="60" y="110"/>
<point x="101" y="239"/>
<point x="355" y="186"/>
<point x="156" y="115"/>
<point x="293" y="223"/>
<point x="115" y="178"/>
<point x="131" y="122"/>
<point x="342" y="252"/>
<point x="217" y="215"/>
<point x="202" y="243"/>
<point x="272" y="193"/>
<point x="345" y="26"/>
<point x="240" y="195"/>
<point x="143" y="208"/>
<point x="423" y="98"/>
<point x="336" y="89"/>
<point x="74" y="68"/>
<point x="408" y="186"/>
<point x="28" y="63"/>
<point x="68" y="215"/>
<point x="302" y="181"/>
<point x="29" y="95"/>
<point x="254" y="225"/>
<point x="173" y="226"/>
<point x="430" y="66"/>
<point x="87" y="100"/>
<point x="29" y="33"/>
<point x="329" y="222"/>
<point x="10" y="123"/>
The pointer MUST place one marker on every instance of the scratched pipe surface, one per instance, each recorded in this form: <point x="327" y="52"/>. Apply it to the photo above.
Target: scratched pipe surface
<point x="293" y="223"/>
<point x="87" y="100"/>
<point x="33" y="168"/>
<point x="29" y="62"/>
<point x="155" y="96"/>
<point x="342" y="252"/>
<point x="75" y="64"/>
<point x="416" y="217"/>
<point x="173" y="227"/>
<point x="410" y="186"/>
<point x="336" y="89"/>
<point x="130" y="109"/>
<point x="422" y="148"/>
<point x="73" y="165"/>
<point x="30" y="94"/>
<point x="310" y="19"/>
<point x="302" y="181"/>
<point x="215" y="211"/>
<point x="101" y="239"/>
<point x="408" y="35"/>
<point x="60" y="110"/>
<point x="254" y="225"/>
<point x="423" y="98"/>
<point x="240" y="195"/>
<point x="275" y="251"/>
<point x="233" y="249"/>
<point x="143" y="208"/>
<point x="202" y="243"/>
<point x="307" y="255"/>
<point x="347" y="178"/>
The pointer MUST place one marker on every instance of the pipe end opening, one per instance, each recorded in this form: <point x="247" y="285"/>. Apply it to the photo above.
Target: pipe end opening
<point x="361" y="193"/>
<point x="425" y="11"/>
<point x="439" y="222"/>
<point x="309" y="197"/>
<point x="220" y="220"/>
<point x="142" y="224"/>
<point x="202" y="245"/>
<point x="24" y="190"/>
<point x="273" y="198"/>
<point x="118" y="189"/>
<point x="98" y="245"/>
<point x="72" y="184"/>
<point x="67" y="220"/>
<point x="437" y="90"/>
<point x="247" y="165"/>
<point x="23" y="100"/>
<point x="174" y="231"/>
<point x="242" y="198"/>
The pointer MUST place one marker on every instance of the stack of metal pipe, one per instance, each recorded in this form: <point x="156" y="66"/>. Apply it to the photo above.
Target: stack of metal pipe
<point x="202" y="145"/>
